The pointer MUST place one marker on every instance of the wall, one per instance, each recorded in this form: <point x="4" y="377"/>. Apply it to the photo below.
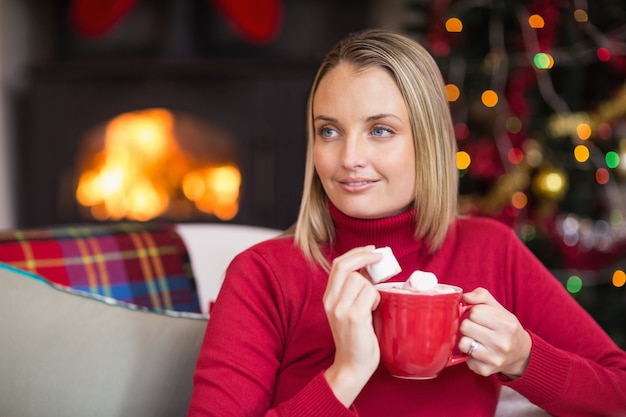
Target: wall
<point x="6" y="211"/>
<point x="15" y="53"/>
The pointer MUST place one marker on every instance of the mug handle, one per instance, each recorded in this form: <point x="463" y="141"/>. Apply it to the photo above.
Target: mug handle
<point x="456" y="358"/>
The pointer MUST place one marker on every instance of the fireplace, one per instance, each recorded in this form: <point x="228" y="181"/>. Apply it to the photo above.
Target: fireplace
<point x="258" y="107"/>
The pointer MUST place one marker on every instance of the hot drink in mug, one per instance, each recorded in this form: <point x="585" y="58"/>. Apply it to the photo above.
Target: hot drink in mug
<point x="418" y="330"/>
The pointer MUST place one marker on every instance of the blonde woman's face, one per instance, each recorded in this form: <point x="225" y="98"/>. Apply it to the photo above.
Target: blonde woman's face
<point x="363" y="150"/>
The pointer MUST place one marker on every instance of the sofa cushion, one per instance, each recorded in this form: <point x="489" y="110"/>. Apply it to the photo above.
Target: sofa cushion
<point x="142" y="263"/>
<point x="70" y="354"/>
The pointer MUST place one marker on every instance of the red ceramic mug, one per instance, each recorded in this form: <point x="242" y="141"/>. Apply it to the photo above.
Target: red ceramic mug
<point x="418" y="331"/>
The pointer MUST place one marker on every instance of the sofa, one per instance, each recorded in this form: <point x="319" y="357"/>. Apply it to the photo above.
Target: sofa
<point x="107" y="320"/>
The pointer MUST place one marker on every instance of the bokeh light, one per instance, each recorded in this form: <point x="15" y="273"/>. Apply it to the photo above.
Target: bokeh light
<point x="603" y="54"/>
<point x="581" y="153"/>
<point x="581" y="16"/>
<point x="463" y="160"/>
<point x="519" y="200"/>
<point x="612" y="159"/>
<point x="619" y="278"/>
<point x="454" y="25"/>
<point x="513" y="124"/>
<point x="602" y="176"/>
<point x="543" y="60"/>
<point x="528" y="232"/>
<point x="461" y="131"/>
<point x="574" y="284"/>
<point x="453" y="92"/>
<point x="515" y="155"/>
<point x="489" y="98"/>
<point x="536" y="21"/>
<point x="583" y="130"/>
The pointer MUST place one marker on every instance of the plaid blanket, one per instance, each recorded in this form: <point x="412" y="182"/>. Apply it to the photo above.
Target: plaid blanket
<point x="146" y="264"/>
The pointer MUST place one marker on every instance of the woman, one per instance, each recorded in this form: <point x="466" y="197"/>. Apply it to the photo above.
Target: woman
<point x="291" y="331"/>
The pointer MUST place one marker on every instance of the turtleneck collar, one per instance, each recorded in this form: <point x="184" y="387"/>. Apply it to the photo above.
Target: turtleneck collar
<point x="395" y="231"/>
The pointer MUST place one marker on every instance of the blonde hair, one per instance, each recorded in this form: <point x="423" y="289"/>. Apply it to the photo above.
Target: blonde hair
<point x="421" y="84"/>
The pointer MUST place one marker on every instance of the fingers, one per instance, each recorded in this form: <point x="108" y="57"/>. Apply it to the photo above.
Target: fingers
<point x="348" y="301"/>
<point x="356" y="297"/>
<point x="346" y="265"/>
<point x="481" y="296"/>
<point x="496" y="339"/>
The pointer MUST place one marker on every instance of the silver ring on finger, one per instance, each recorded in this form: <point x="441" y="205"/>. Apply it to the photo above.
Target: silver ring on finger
<point x="472" y="347"/>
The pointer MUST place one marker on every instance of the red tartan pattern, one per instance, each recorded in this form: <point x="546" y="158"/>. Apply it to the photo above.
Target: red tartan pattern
<point x="141" y="263"/>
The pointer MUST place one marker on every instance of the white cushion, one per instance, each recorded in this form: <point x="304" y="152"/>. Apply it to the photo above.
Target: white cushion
<point x="65" y="354"/>
<point x="212" y="246"/>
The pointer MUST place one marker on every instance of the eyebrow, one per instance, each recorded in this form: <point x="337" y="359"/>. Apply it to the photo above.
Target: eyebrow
<point x="382" y="116"/>
<point x="325" y="119"/>
<point x="368" y="119"/>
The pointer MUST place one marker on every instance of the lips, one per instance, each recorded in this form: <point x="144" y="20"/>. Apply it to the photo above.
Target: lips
<point x="356" y="181"/>
<point x="356" y="184"/>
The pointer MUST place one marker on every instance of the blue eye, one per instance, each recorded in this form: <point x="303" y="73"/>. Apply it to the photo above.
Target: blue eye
<point x="327" y="132"/>
<point x="381" y="131"/>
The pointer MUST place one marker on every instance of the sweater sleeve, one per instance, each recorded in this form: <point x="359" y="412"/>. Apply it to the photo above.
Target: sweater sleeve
<point x="240" y="358"/>
<point x="575" y="369"/>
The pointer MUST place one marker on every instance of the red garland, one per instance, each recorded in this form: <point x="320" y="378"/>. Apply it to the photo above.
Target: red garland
<point x="256" y="20"/>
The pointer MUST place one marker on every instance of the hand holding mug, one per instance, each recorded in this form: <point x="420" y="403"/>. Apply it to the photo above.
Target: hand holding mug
<point x="503" y="345"/>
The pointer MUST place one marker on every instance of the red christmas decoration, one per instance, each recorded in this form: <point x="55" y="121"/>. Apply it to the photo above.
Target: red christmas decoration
<point x="93" y="18"/>
<point x="256" y="20"/>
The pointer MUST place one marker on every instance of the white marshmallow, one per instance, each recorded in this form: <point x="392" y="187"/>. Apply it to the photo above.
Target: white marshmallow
<point x="421" y="281"/>
<point x="385" y="268"/>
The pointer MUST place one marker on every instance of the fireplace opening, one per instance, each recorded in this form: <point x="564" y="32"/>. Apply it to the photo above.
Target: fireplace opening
<point x="153" y="162"/>
<point x="238" y="153"/>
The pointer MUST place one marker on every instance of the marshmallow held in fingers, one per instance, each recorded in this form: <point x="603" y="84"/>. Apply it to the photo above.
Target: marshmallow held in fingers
<point x="385" y="268"/>
<point x="421" y="281"/>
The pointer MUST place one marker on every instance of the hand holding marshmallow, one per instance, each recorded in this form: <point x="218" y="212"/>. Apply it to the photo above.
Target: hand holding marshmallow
<point x="385" y="268"/>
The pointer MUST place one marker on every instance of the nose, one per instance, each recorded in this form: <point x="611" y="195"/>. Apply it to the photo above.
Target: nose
<point x="354" y="152"/>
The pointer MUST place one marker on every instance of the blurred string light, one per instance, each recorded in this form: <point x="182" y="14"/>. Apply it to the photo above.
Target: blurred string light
<point x="581" y="16"/>
<point x="453" y="92"/>
<point x="515" y="156"/>
<point x="574" y="284"/>
<point x="463" y="160"/>
<point x="583" y="131"/>
<point x="454" y="25"/>
<point x="612" y="159"/>
<point x="519" y="200"/>
<point x="535" y="21"/>
<point x="602" y="176"/>
<point x="581" y="153"/>
<point x="603" y="54"/>
<point x="489" y="98"/>
<point x="551" y="183"/>
<point x="543" y="60"/>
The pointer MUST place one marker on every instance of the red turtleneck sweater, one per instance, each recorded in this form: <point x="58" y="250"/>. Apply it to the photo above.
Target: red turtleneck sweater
<point x="268" y="341"/>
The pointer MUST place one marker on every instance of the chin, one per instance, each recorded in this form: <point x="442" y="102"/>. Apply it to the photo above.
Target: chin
<point x="370" y="213"/>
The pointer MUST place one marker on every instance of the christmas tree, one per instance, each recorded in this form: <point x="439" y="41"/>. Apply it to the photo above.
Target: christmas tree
<point x="538" y="95"/>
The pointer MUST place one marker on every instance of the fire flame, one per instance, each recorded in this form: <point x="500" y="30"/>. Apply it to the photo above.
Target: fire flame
<point x="143" y="173"/>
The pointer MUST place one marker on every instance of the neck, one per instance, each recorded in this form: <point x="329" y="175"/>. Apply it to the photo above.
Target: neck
<point x="395" y="231"/>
